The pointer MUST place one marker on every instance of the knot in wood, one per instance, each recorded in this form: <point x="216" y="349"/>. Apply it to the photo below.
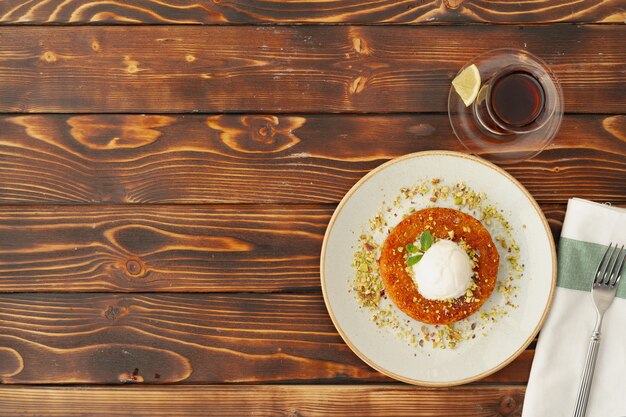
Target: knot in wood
<point x="112" y="313"/>
<point x="452" y="4"/>
<point x="360" y="46"/>
<point x="133" y="267"/>
<point x="266" y="134"/>
<point x="357" y="85"/>
<point x="132" y="66"/>
<point x="49" y="56"/>
<point x="263" y="129"/>
<point x="257" y="133"/>
<point x="507" y="405"/>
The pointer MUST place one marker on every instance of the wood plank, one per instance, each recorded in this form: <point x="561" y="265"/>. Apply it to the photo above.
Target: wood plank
<point x="183" y="338"/>
<point x="309" y="11"/>
<point x="287" y="69"/>
<point x="167" y="248"/>
<point x="274" y="400"/>
<point x="268" y="158"/>
<point x="161" y="248"/>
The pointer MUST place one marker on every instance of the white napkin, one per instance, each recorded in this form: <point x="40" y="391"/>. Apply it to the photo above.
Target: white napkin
<point x="562" y="347"/>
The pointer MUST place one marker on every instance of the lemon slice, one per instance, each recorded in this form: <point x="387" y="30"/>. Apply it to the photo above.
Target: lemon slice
<point x="467" y="84"/>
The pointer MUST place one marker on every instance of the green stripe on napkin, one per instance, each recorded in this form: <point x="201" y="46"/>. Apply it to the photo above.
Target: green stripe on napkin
<point x="578" y="261"/>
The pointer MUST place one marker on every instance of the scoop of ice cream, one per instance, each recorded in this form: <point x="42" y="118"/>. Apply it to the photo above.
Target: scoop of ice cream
<point x="445" y="271"/>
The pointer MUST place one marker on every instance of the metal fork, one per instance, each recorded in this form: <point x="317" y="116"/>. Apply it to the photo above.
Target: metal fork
<point x="605" y="282"/>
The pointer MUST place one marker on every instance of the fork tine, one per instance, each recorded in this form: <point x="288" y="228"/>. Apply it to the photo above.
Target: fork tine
<point x="615" y="280"/>
<point x="608" y="271"/>
<point x="598" y="273"/>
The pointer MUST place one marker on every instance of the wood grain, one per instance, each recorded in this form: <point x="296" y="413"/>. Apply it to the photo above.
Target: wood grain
<point x="268" y="158"/>
<point x="161" y="248"/>
<point x="167" y="248"/>
<point x="310" y="11"/>
<point x="275" y="400"/>
<point x="184" y="338"/>
<point x="287" y="69"/>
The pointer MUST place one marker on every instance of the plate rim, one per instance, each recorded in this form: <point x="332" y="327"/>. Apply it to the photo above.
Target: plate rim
<point x="488" y="164"/>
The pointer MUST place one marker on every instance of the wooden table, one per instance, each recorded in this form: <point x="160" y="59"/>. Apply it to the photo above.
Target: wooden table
<point x="168" y="169"/>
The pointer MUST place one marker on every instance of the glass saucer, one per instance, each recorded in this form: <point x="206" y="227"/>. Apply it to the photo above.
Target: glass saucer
<point x="513" y="147"/>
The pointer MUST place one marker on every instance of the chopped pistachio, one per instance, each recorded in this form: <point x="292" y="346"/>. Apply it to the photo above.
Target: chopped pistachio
<point x="368" y="285"/>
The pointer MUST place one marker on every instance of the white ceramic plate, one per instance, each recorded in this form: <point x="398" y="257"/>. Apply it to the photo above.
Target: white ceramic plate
<point x="473" y="359"/>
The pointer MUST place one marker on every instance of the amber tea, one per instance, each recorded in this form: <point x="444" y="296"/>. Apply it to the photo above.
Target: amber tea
<point x="505" y="104"/>
<point x="510" y="102"/>
<point x="516" y="99"/>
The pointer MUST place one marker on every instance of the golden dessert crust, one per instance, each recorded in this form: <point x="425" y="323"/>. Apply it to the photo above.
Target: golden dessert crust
<point x="442" y="223"/>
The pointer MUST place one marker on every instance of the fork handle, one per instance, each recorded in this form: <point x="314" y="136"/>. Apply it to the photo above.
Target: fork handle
<point x="585" y="383"/>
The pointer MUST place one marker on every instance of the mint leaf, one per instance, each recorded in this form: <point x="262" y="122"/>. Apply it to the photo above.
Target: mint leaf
<point x="426" y="240"/>
<point x="413" y="260"/>
<point x="411" y="248"/>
